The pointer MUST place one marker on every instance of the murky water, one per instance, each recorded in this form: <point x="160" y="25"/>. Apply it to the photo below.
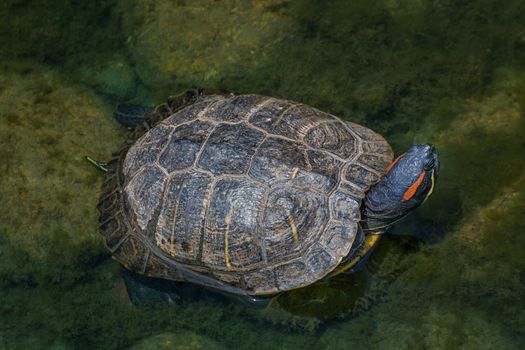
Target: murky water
<point x="447" y="72"/>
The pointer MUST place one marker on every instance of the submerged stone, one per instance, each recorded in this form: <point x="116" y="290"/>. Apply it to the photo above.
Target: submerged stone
<point x="113" y="77"/>
<point x="194" y="43"/>
<point x="48" y="190"/>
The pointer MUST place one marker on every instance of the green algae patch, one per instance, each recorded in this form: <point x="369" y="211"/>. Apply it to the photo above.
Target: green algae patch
<point x="177" y="341"/>
<point x="465" y="294"/>
<point x="49" y="192"/>
<point x="58" y="31"/>
<point x="481" y="150"/>
<point x="181" y="43"/>
<point x="111" y="76"/>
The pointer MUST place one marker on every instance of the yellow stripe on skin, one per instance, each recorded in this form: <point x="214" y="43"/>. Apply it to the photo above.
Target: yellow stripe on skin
<point x="228" y="220"/>
<point x="294" y="228"/>
<point x="370" y="241"/>
<point x="431" y="187"/>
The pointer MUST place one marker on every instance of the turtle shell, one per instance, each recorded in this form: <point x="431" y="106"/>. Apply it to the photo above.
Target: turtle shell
<point x="245" y="193"/>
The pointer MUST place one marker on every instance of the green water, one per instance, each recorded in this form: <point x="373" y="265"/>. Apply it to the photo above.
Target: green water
<point x="448" y="72"/>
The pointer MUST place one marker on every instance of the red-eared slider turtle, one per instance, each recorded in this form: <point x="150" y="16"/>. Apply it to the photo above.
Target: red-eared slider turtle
<point x="254" y="195"/>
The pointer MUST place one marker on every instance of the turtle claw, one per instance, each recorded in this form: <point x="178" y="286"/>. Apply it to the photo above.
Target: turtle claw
<point x="102" y="166"/>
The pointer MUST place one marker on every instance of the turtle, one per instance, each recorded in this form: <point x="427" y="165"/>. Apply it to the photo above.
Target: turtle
<point x="251" y="195"/>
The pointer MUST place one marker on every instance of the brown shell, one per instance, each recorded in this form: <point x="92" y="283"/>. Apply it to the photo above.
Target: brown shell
<point x="248" y="194"/>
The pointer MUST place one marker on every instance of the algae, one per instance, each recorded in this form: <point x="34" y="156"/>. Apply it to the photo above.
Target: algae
<point x="177" y="341"/>
<point x="447" y="72"/>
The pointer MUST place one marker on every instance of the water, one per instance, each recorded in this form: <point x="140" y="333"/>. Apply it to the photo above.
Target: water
<point x="447" y="72"/>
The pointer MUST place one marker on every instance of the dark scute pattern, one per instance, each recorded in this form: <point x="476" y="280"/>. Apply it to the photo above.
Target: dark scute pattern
<point x="332" y="136"/>
<point x="234" y="109"/>
<point x="379" y="163"/>
<point x="191" y="112"/>
<point x="276" y="159"/>
<point x="262" y="279"/>
<point x="351" y="189"/>
<point x="292" y="219"/>
<point x="287" y="119"/>
<point x="360" y="176"/>
<point x="229" y="149"/>
<point x="379" y="148"/>
<point x="364" y="133"/>
<point x="339" y="237"/>
<point x="269" y="113"/>
<point x="143" y="194"/>
<point x="114" y="231"/>
<point x="184" y="144"/>
<point x="132" y="253"/>
<point x="179" y="226"/>
<point x="323" y="174"/>
<point x="291" y="275"/>
<point x="344" y="207"/>
<point x="158" y="268"/>
<point x="146" y="150"/>
<point x="319" y="261"/>
<point x="240" y="201"/>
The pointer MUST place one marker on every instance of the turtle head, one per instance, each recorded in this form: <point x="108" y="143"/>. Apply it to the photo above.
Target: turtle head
<point x="407" y="183"/>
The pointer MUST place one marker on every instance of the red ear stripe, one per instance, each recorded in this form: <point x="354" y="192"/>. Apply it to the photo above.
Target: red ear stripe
<point x="394" y="162"/>
<point x="413" y="188"/>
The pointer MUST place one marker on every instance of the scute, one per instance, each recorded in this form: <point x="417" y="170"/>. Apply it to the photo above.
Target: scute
<point x="146" y="150"/>
<point x="232" y="239"/>
<point x="178" y="230"/>
<point x="332" y="136"/>
<point x="184" y="144"/>
<point x="286" y="118"/>
<point x="247" y="193"/>
<point x="278" y="160"/>
<point x="143" y="194"/>
<point x="234" y="109"/>
<point x="293" y="219"/>
<point x="229" y="149"/>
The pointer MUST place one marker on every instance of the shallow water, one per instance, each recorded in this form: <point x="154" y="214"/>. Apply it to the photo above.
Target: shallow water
<point x="447" y="72"/>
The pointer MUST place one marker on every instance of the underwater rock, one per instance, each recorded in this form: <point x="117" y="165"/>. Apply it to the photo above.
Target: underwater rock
<point x="181" y="340"/>
<point x="49" y="192"/>
<point x="113" y="77"/>
<point x="199" y="44"/>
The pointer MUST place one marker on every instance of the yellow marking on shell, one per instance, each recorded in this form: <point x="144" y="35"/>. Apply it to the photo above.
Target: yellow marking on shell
<point x="172" y="237"/>
<point x="281" y="117"/>
<point x="295" y="170"/>
<point x="228" y="220"/>
<point x="431" y="187"/>
<point x="294" y="228"/>
<point x="370" y="241"/>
